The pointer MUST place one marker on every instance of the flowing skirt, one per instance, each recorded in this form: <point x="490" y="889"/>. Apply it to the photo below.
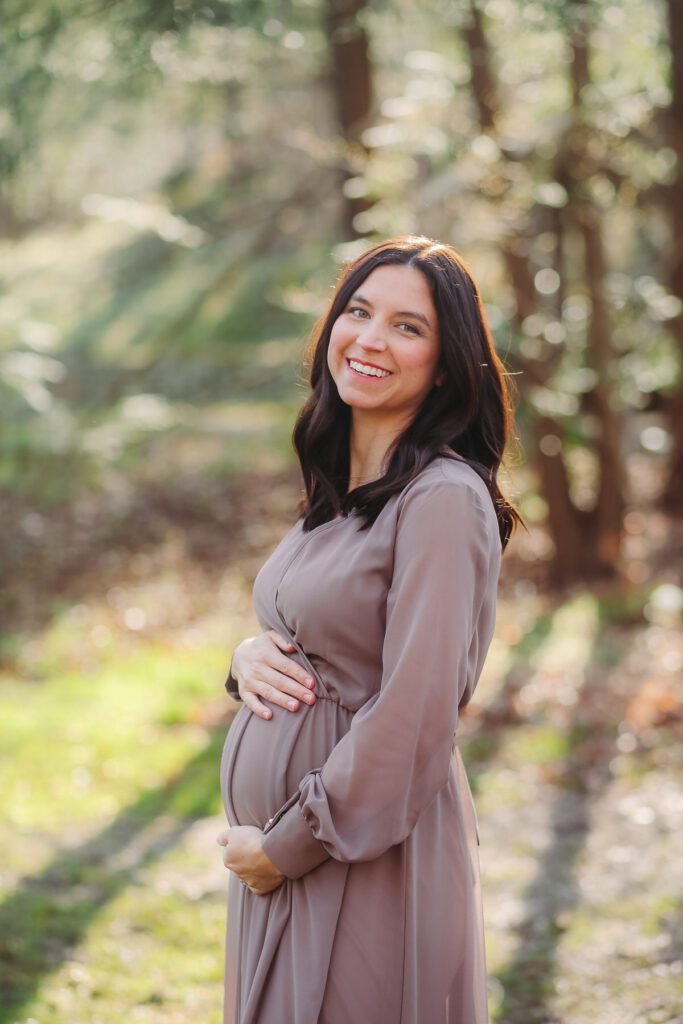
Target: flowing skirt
<point x="395" y="940"/>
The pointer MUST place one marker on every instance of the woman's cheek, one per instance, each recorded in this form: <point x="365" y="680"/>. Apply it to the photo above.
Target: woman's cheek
<point x="334" y="356"/>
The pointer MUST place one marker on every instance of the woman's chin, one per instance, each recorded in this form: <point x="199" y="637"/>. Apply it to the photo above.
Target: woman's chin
<point x="358" y="399"/>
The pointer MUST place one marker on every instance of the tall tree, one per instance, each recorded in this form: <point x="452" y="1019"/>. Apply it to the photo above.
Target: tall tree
<point x="351" y="82"/>
<point x="586" y="541"/>
<point x="605" y="520"/>
<point x="672" y="497"/>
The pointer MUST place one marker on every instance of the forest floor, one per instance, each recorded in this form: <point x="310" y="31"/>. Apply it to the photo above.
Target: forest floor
<point x="112" y="890"/>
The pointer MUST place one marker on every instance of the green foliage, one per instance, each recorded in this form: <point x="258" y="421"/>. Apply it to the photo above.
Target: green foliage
<point x="161" y="335"/>
<point x="170" y="165"/>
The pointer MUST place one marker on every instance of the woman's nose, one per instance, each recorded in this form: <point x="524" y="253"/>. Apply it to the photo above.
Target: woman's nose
<point x="372" y="336"/>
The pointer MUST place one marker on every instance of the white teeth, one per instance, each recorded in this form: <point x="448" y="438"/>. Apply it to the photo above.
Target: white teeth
<point x="368" y="371"/>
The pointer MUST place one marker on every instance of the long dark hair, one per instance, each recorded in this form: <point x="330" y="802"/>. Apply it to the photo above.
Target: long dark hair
<point x="470" y="413"/>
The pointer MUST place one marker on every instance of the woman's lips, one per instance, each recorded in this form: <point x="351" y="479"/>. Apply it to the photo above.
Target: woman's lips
<point x="365" y="376"/>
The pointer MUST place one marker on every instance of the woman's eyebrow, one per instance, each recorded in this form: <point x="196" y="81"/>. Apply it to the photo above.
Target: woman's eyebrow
<point x="399" y="312"/>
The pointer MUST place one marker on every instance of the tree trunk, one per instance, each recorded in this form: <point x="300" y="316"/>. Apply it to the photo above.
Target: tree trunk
<point x="607" y="514"/>
<point x="606" y="517"/>
<point x="482" y="79"/>
<point x="571" y="558"/>
<point x="351" y="81"/>
<point x="672" y="496"/>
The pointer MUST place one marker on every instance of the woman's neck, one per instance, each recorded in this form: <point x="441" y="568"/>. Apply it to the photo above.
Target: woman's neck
<point x="368" y="452"/>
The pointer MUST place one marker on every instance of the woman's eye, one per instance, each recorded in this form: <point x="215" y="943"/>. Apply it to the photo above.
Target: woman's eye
<point x="357" y="309"/>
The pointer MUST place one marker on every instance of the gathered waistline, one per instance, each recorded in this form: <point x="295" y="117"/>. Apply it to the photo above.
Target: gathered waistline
<point x="333" y="700"/>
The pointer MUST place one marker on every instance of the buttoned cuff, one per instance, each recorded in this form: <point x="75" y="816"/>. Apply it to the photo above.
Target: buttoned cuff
<point x="291" y="845"/>
<point x="231" y="684"/>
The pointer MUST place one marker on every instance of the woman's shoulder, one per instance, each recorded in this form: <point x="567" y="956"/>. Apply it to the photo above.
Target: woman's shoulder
<point x="445" y="472"/>
<point x="449" y="494"/>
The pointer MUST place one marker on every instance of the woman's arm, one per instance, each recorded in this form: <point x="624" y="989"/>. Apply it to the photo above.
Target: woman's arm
<point x="231" y="684"/>
<point x="396" y="755"/>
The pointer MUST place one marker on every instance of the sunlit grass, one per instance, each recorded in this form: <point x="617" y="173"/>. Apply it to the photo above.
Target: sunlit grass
<point x="104" y="774"/>
<point x="79" y="748"/>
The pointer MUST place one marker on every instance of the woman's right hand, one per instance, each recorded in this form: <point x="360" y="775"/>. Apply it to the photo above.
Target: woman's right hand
<point x="262" y="670"/>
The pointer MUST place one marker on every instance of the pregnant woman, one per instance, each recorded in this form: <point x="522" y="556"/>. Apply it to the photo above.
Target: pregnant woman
<point x="354" y="888"/>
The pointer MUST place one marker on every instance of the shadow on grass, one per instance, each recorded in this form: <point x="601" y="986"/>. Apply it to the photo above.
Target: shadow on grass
<point x="528" y="980"/>
<point x="42" y="921"/>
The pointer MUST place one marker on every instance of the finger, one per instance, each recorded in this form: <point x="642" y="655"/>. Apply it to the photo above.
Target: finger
<point x="284" y="686"/>
<point x="284" y="643"/>
<point x="276" y="696"/>
<point x="255" y="705"/>
<point x="290" y="668"/>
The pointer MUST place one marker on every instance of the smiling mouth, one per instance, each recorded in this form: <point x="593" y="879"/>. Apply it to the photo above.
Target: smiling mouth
<point x="366" y="371"/>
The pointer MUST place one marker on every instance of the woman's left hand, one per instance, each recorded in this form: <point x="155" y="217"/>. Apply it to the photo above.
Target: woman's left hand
<point x="244" y="855"/>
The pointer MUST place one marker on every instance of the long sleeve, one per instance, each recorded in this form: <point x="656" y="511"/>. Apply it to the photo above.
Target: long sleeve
<point x="396" y="755"/>
<point x="231" y="684"/>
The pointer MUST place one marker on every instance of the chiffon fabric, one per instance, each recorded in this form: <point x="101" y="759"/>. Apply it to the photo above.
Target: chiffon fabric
<point x="363" y="797"/>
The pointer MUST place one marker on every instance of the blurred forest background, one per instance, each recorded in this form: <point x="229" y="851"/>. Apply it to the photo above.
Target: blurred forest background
<point x="180" y="184"/>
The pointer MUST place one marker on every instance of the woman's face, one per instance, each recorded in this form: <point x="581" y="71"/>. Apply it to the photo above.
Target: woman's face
<point x="390" y="330"/>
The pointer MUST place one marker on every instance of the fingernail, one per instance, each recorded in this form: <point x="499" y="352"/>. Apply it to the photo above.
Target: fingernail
<point x="309" y="698"/>
<point x="309" y="680"/>
<point x="292" y="704"/>
<point x="267" y="714"/>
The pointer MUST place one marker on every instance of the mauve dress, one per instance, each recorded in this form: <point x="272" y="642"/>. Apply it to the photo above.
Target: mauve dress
<point x="363" y="797"/>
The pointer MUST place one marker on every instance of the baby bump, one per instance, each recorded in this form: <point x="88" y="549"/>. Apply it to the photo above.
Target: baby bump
<point x="264" y="761"/>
